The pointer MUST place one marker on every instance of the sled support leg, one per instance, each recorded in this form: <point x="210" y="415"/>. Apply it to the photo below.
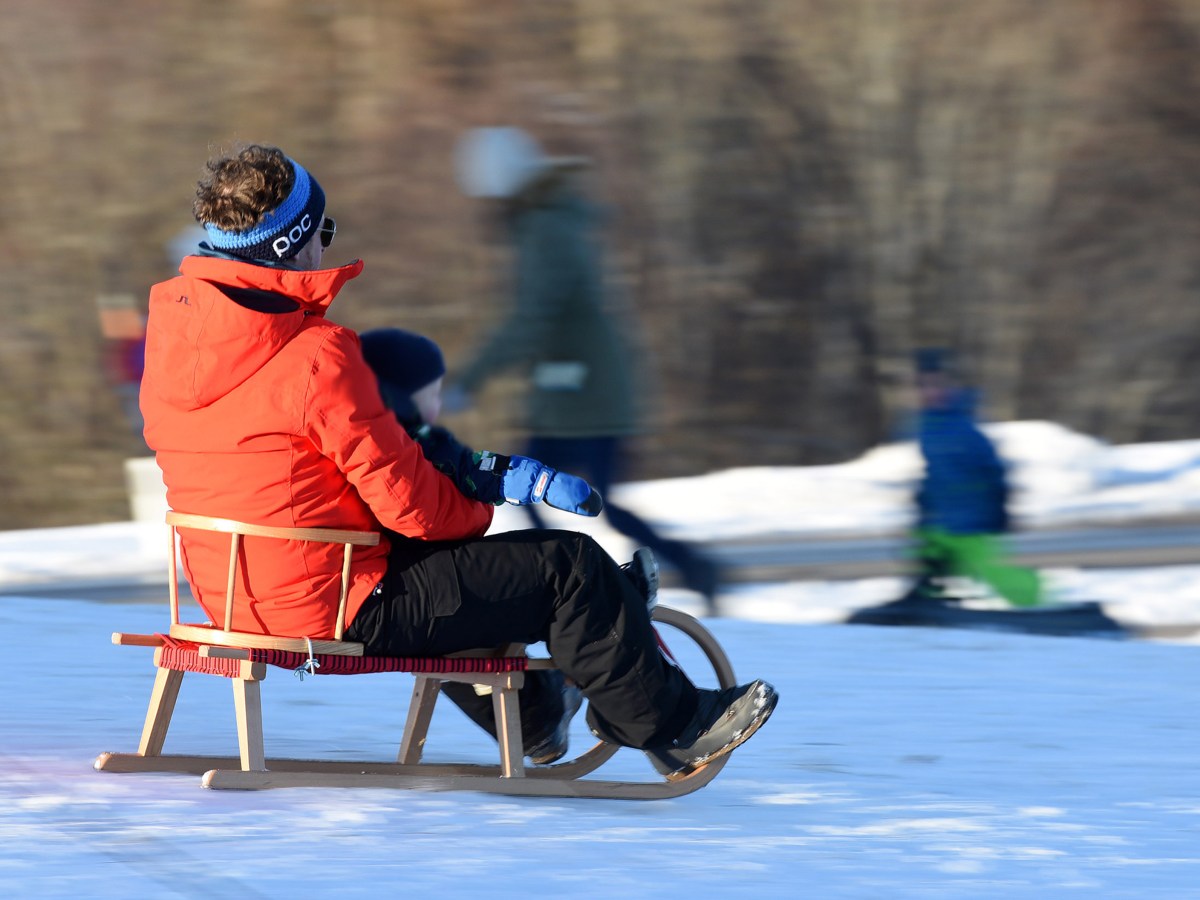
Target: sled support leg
<point x="508" y="730"/>
<point x="158" y="715"/>
<point x="420" y="714"/>
<point x="247" y="702"/>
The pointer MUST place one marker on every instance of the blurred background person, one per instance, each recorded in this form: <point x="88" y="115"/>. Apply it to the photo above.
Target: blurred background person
<point x="123" y="325"/>
<point x="580" y="367"/>
<point x="962" y="501"/>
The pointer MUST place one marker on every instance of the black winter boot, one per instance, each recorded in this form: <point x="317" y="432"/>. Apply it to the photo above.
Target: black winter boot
<point x="548" y="703"/>
<point x="553" y="746"/>
<point x="723" y="721"/>
<point x="642" y="570"/>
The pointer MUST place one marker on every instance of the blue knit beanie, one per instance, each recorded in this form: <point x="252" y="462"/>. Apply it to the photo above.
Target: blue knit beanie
<point x="933" y="359"/>
<point x="282" y="232"/>
<point x="403" y="359"/>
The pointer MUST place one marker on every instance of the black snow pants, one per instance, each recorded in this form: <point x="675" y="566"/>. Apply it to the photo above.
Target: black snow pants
<point x="559" y="587"/>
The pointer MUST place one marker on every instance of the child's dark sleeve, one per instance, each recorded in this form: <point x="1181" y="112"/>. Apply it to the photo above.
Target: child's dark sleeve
<point x="465" y="467"/>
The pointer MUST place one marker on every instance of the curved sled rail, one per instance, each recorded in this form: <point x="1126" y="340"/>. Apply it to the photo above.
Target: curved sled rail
<point x="561" y="780"/>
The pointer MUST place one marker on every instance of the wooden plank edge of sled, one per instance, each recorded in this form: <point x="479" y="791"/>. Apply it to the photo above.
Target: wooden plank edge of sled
<point x="181" y="764"/>
<point x="239" y="780"/>
<point x="202" y="634"/>
<point x="126" y="639"/>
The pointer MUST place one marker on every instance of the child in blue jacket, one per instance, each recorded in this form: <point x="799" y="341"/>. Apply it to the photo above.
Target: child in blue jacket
<point x="962" y="502"/>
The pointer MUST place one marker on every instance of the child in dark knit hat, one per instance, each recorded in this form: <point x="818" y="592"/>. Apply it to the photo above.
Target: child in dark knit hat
<point x="409" y="368"/>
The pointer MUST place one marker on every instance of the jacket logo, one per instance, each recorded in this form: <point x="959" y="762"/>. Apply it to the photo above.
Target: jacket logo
<point x="184" y="300"/>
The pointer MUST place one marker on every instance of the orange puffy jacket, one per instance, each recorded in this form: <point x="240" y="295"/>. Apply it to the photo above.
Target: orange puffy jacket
<point x="260" y="409"/>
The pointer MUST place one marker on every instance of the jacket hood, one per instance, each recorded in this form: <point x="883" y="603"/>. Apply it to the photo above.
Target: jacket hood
<point x="220" y="321"/>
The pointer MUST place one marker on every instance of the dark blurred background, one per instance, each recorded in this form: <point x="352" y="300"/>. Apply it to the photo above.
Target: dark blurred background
<point x="801" y="192"/>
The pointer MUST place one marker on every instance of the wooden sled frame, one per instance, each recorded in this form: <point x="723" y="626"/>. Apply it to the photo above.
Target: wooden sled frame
<point x="238" y="656"/>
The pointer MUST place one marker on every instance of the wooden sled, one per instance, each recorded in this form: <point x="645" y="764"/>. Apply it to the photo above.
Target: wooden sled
<point x="244" y="658"/>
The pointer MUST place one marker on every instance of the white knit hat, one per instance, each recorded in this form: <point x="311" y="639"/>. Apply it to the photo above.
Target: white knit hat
<point x="500" y="162"/>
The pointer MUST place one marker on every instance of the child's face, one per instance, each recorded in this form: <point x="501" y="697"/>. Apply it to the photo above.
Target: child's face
<point x="428" y="401"/>
<point x="935" y="390"/>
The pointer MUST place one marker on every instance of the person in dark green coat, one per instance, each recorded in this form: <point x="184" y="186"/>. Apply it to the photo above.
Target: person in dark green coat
<point x="581" y="369"/>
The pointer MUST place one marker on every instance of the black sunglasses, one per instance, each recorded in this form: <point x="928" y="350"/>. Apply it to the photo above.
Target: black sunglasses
<point x="328" y="231"/>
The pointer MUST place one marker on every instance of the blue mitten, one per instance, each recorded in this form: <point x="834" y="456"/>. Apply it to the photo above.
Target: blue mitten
<point x="573" y="495"/>
<point x="525" y="480"/>
<point x="528" y="481"/>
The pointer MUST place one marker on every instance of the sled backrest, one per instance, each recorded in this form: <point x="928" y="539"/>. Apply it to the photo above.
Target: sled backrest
<point x="236" y="531"/>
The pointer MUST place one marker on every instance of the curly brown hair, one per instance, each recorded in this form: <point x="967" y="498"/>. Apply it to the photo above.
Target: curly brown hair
<point x="238" y="190"/>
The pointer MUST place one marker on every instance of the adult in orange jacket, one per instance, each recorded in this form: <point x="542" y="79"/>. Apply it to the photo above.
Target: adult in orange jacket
<point x="261" y="409"/>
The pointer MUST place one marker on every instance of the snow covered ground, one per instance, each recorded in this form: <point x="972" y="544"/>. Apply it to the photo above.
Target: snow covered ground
<point x="900" y="763"/>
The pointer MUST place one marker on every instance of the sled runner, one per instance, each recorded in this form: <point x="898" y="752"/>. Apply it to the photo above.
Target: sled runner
<point x="244" y="659"/>
<point x="955" y="610"/>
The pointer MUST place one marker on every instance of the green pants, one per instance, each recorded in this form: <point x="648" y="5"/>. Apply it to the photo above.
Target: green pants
<point x="981" y="557"/>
